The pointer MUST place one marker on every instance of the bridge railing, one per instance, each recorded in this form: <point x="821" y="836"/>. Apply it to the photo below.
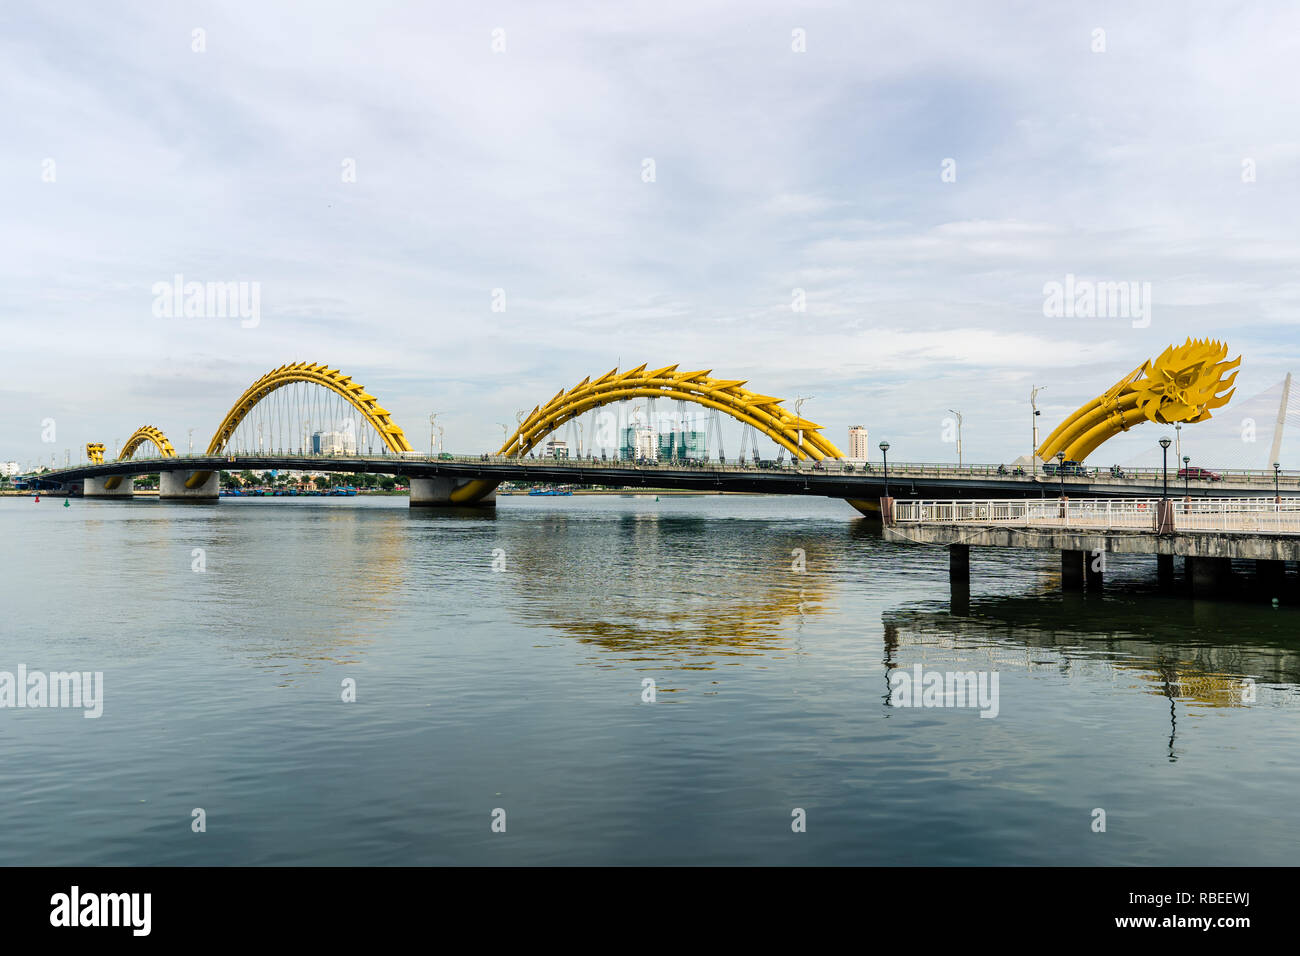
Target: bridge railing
<point x="1239" y="514"/>
<point x="900" y="471"/>
<point x="1094" y="512"/>
<point x="1190" y="514"/>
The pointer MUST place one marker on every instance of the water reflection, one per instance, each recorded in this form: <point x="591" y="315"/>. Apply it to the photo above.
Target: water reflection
<point x="672" y="591"/>
<point x="1195" y="655"/>
<point x="287" y="586"/>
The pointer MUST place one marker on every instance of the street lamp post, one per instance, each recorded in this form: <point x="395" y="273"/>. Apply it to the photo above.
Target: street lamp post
<point x="798" y="404"/>
<point x="1277" y="494"/>
<point x="958" y="414"/>
<point x="1033" y="449"/>
<point x="1164" y="466"/>
<point x="1186" y="475"/>
<point x="884" y="453"/>
<point x="1060" y="470"/>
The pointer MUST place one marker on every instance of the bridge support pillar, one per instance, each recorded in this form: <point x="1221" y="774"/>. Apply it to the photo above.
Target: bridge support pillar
<point x="94" y="488"/>
<point x="1072" y="570"/>
<point x="959" y="566"/>
<point x="436" y="493"/>
<point x="1165" y="572"/>
<point x="1094" y="569"/>
<point x="1271" y="576"/>
<point x="959" y="578"/>
<point x="1210" y="576"/>
<point x="171" y="487"/>
<point x="869" y="508"/>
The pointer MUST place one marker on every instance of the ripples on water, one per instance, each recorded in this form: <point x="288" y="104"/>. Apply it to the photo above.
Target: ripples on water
<point x="522" y="690"/>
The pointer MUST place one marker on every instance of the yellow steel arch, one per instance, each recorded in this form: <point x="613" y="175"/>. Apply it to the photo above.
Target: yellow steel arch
<point x="311" y="372"/>
<point x="725" y="395"/>
<point x="1181" y="385"/>
<point x="141" y="435"/>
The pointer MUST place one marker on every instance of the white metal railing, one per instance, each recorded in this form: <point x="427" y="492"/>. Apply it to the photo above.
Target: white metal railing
<point x="1195" y="514"/>
<point x="1238" y="514"/>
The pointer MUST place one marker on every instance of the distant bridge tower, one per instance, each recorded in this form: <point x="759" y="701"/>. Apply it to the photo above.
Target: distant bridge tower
<point x="1276" y="451"/>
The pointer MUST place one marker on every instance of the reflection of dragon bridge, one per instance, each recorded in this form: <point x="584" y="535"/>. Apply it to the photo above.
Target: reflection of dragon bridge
<point x="668" y="591"/>
<point x="1182" y="384"/>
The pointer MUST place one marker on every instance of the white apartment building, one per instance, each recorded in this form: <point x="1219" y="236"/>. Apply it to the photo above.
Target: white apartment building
<point x="859" y="446"/>
<point x="334" y="443"/>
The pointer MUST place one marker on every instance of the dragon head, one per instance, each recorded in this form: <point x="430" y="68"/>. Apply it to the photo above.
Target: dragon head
<point x="1184" y="383"/>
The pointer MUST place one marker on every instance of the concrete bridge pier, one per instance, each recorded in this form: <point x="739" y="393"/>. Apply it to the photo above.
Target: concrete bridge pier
<point x="877" y="511"/>
<point x="171" y="487"/>
<point x="1093" y="568"/>
<point x="1072" y="570"/>
<point x="1209" y="576"/>
<point x="959" y="579"/>
<point x="436" y="493"/>
<point x="1165" y="571"/>
<point x="94" y="488"/>
<point x="1271" y="576"/>
<point x="959" y="565"/>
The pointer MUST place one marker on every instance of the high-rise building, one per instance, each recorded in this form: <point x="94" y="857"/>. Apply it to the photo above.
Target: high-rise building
<point x="859" y="446"/>
<point x="641" y="442"/>
<point x="638" y="443"/>
<point x="333" y="443"/>
<point x="556" y="448"/>
<point x="682" y="446"/>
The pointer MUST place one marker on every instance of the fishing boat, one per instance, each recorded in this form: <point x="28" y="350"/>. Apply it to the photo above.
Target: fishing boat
<point x="549" y="493"/>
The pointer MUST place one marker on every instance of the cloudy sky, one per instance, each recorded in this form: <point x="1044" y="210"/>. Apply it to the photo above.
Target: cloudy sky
<point x="130" y="157"/>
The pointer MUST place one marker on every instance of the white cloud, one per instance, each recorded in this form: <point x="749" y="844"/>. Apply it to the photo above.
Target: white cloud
<point x="522" y="171"/>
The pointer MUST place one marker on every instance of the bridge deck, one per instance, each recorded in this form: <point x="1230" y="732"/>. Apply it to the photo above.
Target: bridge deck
<point x="829" y="479"/>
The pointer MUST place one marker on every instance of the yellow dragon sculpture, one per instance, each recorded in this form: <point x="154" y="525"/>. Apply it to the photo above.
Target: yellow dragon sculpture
<point x="1182" y="384"/>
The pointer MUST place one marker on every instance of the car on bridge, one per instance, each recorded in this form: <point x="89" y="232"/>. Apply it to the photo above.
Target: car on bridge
<point x="1067" y="469"/>
<point x="1202" y="473"/>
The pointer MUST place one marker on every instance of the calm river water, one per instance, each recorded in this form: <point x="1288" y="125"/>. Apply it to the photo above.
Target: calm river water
<point x="228" y="636"/>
